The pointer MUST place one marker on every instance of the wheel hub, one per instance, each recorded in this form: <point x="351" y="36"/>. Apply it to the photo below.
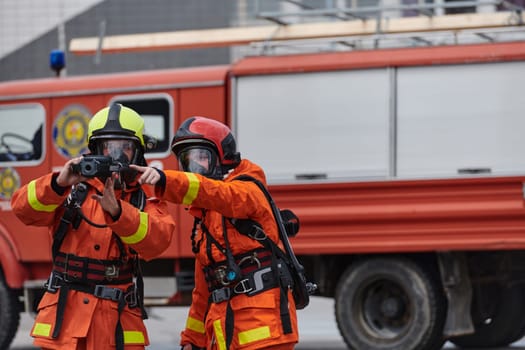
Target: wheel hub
<point x="391" y="307"/>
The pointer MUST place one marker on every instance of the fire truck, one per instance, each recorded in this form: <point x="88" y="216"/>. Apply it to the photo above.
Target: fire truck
<point x="405" y="166"/>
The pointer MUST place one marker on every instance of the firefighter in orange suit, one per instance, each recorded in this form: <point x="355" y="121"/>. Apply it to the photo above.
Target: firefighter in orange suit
<point x="101" y="226"/>
<point x="241" y="298"/>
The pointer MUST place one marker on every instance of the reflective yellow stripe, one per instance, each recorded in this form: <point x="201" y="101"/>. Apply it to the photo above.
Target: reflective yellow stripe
<point x="193" y="189"/>
<point x="42" y="329"/>
<point x="254" y="335"/>
<point x="219" y="335"/>
<point x="133" y="337"/>
<point x="195" y="325"/>
<point x="34" y="202"/>
<point x="141" y="231"/>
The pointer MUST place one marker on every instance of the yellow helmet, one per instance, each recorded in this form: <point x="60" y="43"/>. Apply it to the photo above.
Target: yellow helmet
<point x="116" y="122"/>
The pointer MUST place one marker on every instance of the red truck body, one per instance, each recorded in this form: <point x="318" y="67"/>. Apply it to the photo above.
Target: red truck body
<point x="393" y="250"/>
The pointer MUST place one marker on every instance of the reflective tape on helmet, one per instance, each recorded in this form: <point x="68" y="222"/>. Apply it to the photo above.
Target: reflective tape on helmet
<point x="41" y="329"/>
<point x="193" y="189"/>
<point x="141" y="231"/>
<point x="219" y="334"/>
<point x="133" y="337"/>
<point x="195" y="325"/>
<point x="255" y="334"/>
<point x="34" y="202"/>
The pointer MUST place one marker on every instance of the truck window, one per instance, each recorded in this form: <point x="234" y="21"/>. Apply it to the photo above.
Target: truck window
<point x="156" y="111"/>
<point x="21" y="138"/>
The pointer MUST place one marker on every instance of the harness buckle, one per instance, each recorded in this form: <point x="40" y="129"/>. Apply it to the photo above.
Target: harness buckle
<point x="221" y="275"/>
<point x="53" y="284"/>
<point x="257" y="234"/>
<point x="131" y="298"/>
<point x="243" y="287"/>
<point x="66" y="268"/>
<point x="220" y="295"/>
<point x="111" y="272"/>
<point x="108" y="293"/>
<point x="250" y="259"/>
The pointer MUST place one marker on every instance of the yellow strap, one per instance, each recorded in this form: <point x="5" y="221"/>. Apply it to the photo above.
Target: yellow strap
<point x="141" y="231"/>
<point x="195" y="325"/>
<point x="42" y="329"/>
<point x="254" y="335"/>
<point x="219" y="335"/>
<point x="34" y="202"/>
<point x="133" y="337"/>
<point x="193" y="189"/>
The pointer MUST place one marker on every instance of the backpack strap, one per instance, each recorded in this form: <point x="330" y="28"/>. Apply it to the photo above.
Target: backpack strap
<point x="301" y="287"/>
<point x="70" y="217"/>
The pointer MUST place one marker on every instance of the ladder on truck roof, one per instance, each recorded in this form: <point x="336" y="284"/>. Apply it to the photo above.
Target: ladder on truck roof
<point x="354" y="28"/>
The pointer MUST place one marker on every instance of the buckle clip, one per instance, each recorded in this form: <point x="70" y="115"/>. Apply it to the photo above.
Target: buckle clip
<point x="220" y="295"/>
<point x="108" y="293"/>
<point x="257" y="234"/>
<point x="53" y="284"/>
<point x="221" y="275"/>
<point x="65" y="275"/>
<point x="131" y="298"/>
<point x="111" y="272"/>
<point x="243" y="287"/>
<point x="250" y="259"/>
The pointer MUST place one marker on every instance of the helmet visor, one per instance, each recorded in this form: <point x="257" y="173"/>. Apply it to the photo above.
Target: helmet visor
<point x="118" y="150"/>
<point x="198" y="160"/>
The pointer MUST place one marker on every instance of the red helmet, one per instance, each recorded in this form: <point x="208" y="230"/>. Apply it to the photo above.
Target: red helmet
<point x="202" y="132"/>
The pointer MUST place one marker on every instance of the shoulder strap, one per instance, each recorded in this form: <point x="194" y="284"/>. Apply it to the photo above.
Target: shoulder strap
<point x="73" y="203"/>
<point x="302" y="288"/>
<point x="277" y="215"/>
<point x="138" y="199"/>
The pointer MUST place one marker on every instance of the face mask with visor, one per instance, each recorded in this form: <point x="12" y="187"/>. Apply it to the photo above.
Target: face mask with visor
<point x="119" y="150"/>
<point x="122" y="153"/>
<point x="200" y="160"/>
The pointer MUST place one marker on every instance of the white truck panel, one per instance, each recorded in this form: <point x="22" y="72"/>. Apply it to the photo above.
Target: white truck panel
<point x="329" y="124"/>
<point x="460" y="116"/>
<point x="447" y="120"/>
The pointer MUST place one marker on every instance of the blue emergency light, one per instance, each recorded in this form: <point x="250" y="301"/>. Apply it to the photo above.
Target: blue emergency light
<point x="57" y="61"/>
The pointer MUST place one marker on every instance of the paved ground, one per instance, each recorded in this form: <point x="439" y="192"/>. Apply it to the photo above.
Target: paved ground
<point x="317" y="328"/>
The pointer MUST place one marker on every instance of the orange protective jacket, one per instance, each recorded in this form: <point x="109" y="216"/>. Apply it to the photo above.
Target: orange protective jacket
<point x="148" y="232"/>
<point x="257" y="321"/>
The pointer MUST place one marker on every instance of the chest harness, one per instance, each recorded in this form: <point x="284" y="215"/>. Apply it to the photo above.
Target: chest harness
<point x="253" y="272"/>
<point x="92" y="276"/>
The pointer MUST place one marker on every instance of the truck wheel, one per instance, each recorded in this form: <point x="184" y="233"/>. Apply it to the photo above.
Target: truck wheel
<point x="501" y="323"/>
<point x="9" y="314"/>
<point x="389" y="304"/>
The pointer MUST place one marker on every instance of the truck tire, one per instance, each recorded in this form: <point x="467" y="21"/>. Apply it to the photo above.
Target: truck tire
<point x="9" y="314"/>
<point x="389" y="304"/>
<point x="503" y="322"/>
